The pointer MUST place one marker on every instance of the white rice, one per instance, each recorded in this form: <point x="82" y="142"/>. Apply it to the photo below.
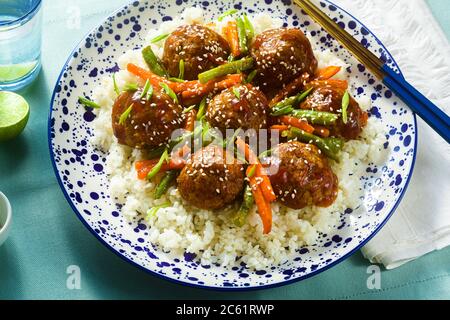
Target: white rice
<point x="211" y="235"/>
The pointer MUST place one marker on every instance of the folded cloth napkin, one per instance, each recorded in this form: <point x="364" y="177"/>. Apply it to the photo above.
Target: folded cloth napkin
<point x="421" y="224"/>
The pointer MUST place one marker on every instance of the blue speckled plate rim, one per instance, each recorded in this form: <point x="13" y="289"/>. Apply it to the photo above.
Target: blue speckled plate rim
<point x="276" y="285"/>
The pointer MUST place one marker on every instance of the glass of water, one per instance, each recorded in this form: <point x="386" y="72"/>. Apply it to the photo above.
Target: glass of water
<point x="20" y="42"/>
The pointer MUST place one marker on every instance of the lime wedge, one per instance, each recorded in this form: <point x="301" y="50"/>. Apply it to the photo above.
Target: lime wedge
<point x="13" y="72"/>
<point x="14" y="114"/>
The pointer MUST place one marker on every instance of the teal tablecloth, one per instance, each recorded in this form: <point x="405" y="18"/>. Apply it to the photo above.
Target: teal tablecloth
<point x="47" y="237"/>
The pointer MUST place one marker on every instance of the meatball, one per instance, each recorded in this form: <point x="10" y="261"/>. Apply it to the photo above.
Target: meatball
<point x="199" y="47"/>
<point x="242" y="106"/>
<point x="304" y="177"/>
<point x="150" y="122"/>
<point x="328" y="98"/>
<point x="281" y="56"/>
<point x="211" y="179"/>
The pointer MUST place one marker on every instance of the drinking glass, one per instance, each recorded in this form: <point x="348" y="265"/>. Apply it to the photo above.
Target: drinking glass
<point x="20" y="42"/>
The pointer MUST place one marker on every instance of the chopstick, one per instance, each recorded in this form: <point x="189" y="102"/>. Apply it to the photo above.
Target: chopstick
<point x="430" y="113"/>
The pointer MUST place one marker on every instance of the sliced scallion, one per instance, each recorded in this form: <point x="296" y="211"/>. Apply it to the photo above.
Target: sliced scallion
<point x="123" y="118"/>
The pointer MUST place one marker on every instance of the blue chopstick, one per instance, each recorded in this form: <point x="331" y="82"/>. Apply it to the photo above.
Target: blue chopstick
<point x="424" y="108"/>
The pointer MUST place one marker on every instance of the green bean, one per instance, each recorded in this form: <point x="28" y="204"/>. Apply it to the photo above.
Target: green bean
<point x="165" y="183"/>
<point x="157" y="168"/>
<point x="88" y="103"/>
<point x="242" y="34"/>
<point x="316" y="117"/>
<point x="249" y="27"/>
<point x="240" y="217"/>
<point x="226" y="69"/>
<point x="153" y="62"/>
<point x="330" y="147"/>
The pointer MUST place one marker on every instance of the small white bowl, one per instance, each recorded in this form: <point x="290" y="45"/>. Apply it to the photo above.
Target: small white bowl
<point x="5" y="218"/>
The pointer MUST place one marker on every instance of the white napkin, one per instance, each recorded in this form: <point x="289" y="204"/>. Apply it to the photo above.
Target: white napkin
<point x="422" y="222"/>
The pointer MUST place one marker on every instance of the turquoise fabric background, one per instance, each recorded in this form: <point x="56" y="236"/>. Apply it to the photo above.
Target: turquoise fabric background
<point x="47" y="237"/>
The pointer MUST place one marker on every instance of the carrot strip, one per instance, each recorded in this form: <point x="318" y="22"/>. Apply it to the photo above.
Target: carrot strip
<point x="280" y="127"/>
<point x="339" y="84"/>
<point x="198" y="89"/>
<point x="328" y="72"/>
<point x="154" y="79"/>
<point x="321" y="131"/>
<point x="264" y="208"/>
<point x="232" y="36"/>
<point x="252" y="158"/>
<point x="297" y="123"/>
<point x="190" y="120"/>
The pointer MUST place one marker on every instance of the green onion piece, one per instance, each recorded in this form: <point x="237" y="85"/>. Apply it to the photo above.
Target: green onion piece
<point x="159" y="38"/>
<point x="230" y="142"/>
<point x="150" y="93"/>
<point x="125" y="115"/>
<point x="165" y="183"/>
<point x="242" y="34"/>
<point x="164" y="158"/>
<point x="169" y="91"/>
<point x="187" y="110"/>
<point x="316" y="117"/>
<point x="176" y="80"/>
<point x="303" y="96"/>
<point x="236" y="92"/>
<point x="240" y="217"/>
<point x="230" y="58"/>
<point x="156" y="153"/>
<point x="201" y="109"/>
<point x="226" y="69"/>
<point x="181" y="67"/>
<point x="345" y="104"/>
<point x="251" y="76"/>
<point x="153" y="62"/>
<point x="226" y="14"/>
<point x="252" y="172"/>
<point x="146" y="88"/>
<point x="266" y="153"/>
<point x="88" y="103"/>
<point x="249" y="27"/>
<point x="131" y="87"/>
<point x="153" y="211"/>
<point x="116" y="88"/>
<point x="278" y="112"/>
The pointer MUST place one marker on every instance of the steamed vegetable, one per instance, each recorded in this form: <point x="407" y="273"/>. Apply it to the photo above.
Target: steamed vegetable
<point x="153" y="62"/>
<point x="226" y="69"/>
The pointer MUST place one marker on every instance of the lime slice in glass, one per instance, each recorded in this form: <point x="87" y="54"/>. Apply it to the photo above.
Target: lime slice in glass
<point x="14" y="114"/>
<point x="12" y="72"/>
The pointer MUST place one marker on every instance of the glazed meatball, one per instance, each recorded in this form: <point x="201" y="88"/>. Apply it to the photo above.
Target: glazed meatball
<point x="150" y="122"/>
<point x="304" y="177"/>
<point x="199" y="47"/>
<point x="209" y="181"/>
<point x="281" y="56"/>
<point x="242" y="106"/>
<point x="328" y="98"/>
